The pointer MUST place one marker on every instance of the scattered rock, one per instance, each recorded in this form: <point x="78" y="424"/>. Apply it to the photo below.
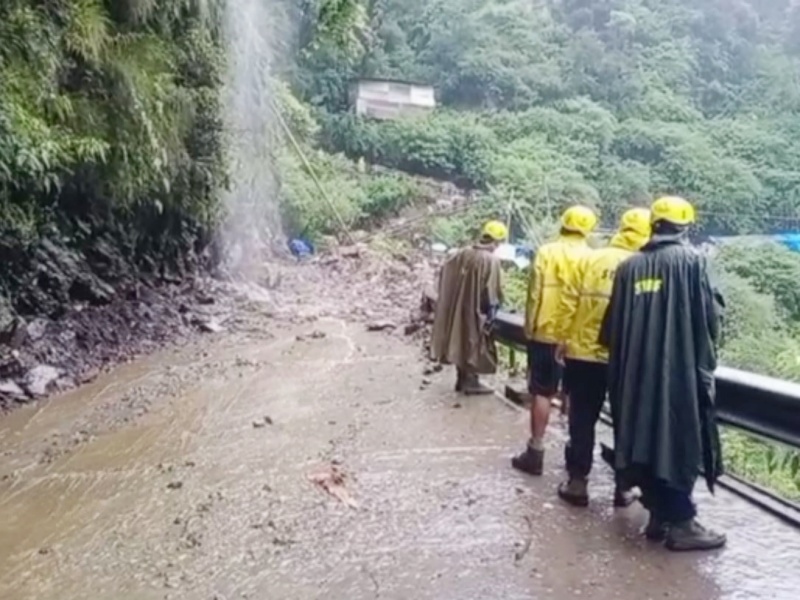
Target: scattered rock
<point x="64" y="383"/>
<point x="12" y="391"/>
<point x="88" y="376"/>
<point x="210" y="326"/>
<point x="380" y="326"/>
<point x="426" y="381"/>
<point x="318" y="335"/>
<point x="37" y="328"/>
<point x="262" y="422"/>
<point x="204" y="298"/>
<point x="38" y="380"/>
<point x="412" y="328"/>
<point x="350" y="251"/>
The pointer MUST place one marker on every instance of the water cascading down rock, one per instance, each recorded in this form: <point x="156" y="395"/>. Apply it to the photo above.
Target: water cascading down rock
<point x="252" y="228"/>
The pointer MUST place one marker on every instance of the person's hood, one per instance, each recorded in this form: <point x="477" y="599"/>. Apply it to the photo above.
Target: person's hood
<point x="629" y="240"/>
<point x="484" y="247"/>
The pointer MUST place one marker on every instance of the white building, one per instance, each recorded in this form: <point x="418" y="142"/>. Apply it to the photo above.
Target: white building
<point x="389" y="99"/>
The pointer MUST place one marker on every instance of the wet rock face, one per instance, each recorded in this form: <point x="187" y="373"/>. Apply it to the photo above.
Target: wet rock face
<point x="94" y="289"/>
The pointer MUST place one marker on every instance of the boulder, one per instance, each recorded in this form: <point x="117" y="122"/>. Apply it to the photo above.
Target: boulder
<point x="40" y="380"/>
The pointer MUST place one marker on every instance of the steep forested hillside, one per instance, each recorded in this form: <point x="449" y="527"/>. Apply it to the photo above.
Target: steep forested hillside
<point x="605" y="101"/>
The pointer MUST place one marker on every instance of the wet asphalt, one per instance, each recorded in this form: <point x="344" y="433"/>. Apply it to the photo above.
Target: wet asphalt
<point x="200" y="473"/>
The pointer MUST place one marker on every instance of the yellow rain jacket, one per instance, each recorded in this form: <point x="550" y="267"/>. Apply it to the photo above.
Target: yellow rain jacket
<point x="554" y="263"/>
<point x="586" y="295"/>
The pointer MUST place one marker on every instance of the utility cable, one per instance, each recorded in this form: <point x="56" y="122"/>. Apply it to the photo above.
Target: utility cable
<point x="345" y="229"/>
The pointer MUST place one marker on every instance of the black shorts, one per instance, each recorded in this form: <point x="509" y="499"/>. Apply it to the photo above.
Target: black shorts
<point x="544" y="372"/>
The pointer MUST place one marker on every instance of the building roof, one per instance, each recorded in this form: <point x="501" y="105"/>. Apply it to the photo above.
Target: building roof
<point x="389" y="80"/>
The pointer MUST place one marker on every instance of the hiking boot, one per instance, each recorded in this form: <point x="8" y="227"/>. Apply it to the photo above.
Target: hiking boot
<point x="530" y="461"/>
<point x="471" y="386"/>
<point x="690" y="535"/>
<point x="624" y="498"/>
<point x="656" y="530"/>
<point x="574" y="492"/>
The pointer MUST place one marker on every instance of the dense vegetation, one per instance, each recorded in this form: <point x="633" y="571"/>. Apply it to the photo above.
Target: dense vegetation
<point x="111" y="146"/>
<point x="608" y="101"/>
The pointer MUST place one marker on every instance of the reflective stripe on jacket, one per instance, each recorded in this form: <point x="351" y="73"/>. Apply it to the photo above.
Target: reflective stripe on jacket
<point x="586" y="295"/>
<point x="553" y="264"/>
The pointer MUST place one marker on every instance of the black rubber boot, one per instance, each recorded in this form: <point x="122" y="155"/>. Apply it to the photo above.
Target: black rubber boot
<point x="624" y="498"/>
<point x="530" y="461"/>
<point x="459" y="380"/>
<point x="656" y="530"/>
<point x="690" y="535"/>
<point x="575" y="492"/>
<point x="471" y="386"/>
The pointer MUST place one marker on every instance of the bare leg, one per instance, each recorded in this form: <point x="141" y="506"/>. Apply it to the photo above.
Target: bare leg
<point x="531" y="460"/>
<point x="540" y="416"/>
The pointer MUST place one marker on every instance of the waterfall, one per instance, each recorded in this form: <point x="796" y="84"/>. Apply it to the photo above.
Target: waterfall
<point x="252" y="229"/>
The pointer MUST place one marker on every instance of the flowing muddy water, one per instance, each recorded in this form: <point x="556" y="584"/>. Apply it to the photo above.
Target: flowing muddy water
<point x="186" y="475"/>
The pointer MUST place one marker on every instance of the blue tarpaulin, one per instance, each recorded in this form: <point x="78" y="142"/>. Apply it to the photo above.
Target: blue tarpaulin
<point x="790" y="240"/>
<point x="301" y="248"/>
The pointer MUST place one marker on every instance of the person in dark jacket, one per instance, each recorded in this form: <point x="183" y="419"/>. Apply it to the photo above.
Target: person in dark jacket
<point x="662" y="327"/>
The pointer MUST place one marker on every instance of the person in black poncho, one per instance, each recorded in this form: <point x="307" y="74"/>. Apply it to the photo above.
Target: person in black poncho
<point x="662" y="328"/>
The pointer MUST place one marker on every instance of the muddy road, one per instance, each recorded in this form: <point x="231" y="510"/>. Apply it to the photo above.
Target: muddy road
<point x="308" y="458"/>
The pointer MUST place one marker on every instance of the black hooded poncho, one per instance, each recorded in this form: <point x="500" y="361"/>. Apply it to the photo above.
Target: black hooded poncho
<point x="662" y="327"/>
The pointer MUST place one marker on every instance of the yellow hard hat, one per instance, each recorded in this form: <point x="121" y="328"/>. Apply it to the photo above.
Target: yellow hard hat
<point x="672" y="209"/>
<point x="495" y="230"/>
<point x="579" y="219"/>
<point x="636" y="220"/>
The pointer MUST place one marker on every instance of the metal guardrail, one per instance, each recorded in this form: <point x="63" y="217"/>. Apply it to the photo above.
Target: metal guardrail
<point x="764" y="406"/>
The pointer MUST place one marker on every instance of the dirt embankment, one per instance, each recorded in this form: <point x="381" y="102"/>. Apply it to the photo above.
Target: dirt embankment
<point x="42" y="355"/>
<point x="100" y="288"/>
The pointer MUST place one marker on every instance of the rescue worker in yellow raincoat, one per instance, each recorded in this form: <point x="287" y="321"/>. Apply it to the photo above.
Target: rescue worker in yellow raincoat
<point x="585" y="297"/>
<point x="553" y="264"/>
<point x="470" y="292"/>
